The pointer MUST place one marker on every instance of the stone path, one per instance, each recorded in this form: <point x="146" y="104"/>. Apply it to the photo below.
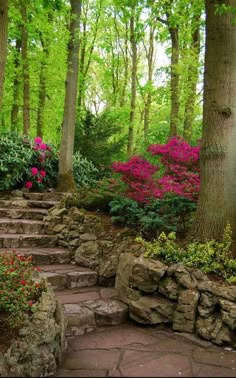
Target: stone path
<point x="101" y="341"/>
<point x="129" y="350"/>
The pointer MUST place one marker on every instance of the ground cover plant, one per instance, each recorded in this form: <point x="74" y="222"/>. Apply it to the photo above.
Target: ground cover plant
<point x="210" y="256"/>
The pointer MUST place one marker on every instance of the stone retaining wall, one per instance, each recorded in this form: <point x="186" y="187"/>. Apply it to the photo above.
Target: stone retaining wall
<point x="93" y="240"/>
<point x="180" y="296"/>
<point x="155" y="293"/>
<point x="38" y="349"/>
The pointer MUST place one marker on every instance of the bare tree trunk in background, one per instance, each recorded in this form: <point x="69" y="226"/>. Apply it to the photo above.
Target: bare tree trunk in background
<point x="130" y="145"/>
<point x="193" y="72"/>
<point x="217" y="201"/>
<point x="174" y="81"/>
<point x="16" y="87"/>
<point x="3" y="43"/>
<point x="148" y="100"/>
<point x="43" y="81"/>
<point x="66" y="181"/>
<point x="25" y="66"/>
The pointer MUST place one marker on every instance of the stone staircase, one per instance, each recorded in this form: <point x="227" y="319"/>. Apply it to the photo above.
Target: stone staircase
<point x="87" y="305"/>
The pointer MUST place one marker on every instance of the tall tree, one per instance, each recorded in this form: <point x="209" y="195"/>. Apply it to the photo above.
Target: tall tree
<point x="16" y="85"/>
<point x="217" y="201"/>
<point x="25" y="68"/>
<point x="3" y="43"/>
<point x="66" y="181"/>
<point x="134" y="69"/>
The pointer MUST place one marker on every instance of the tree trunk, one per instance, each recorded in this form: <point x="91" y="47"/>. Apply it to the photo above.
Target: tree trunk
<point x="3" y="43"/>
<point x="43" y="81"/>
<point x="25" y="75"/>
<point x="66" y="181"/>
<point x="148" y="101"/>
<point x="192" y="80"/>
<point x="174" y="81"/>
<point x="217" y="201"/>
<point x="130" y="145"/>
<point x="16" y="87"/>
<point x="126" y="68"/>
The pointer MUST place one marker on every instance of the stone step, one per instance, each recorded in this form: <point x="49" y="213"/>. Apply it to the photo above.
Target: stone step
<point x="46" y="196"/>
<point x="62" y="276"/>
<point x="21" y="241"/>
<point x="20" y="226"/>
<point x="45" y="256"/>
<point x="86" y="316"/>
<point x="91" y="307"/>
<point x="23" y="213"/>
<point x="24" y="203"/>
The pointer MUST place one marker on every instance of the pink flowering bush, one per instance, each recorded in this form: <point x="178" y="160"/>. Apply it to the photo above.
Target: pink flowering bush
<point x="181" y="172"/>
<point x="45" y="165"/>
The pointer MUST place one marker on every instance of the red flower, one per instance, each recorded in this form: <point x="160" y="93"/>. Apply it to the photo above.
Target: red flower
<point x="28" y="184"/>
<point x="23" y="282"/>
<point x="42" y="173"/>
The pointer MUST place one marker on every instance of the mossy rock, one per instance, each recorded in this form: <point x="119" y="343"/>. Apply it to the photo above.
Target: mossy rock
<point x="90" y="201"/>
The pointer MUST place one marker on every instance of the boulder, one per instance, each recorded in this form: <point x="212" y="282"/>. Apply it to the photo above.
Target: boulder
<point x="146" y="273"/>
<point x="213" y="329"/>
<point x="169" y="288"/>
<point x="185" y="315"/>
<point x="152" y="309"/>
<point x="88" y="254"/>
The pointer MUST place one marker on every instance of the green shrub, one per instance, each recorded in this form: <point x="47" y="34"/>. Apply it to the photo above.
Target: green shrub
<point x="125" y="211"/>
<point x="85" y="173"/>
<point x="211" y="256"/>
<point x="171" y="213"/>
<point x="15" y="157"/>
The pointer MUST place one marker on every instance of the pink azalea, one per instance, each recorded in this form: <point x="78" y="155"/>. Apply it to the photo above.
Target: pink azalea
<point x="38" y="140"/>
<point x="28" y="184"/>
<point x="34" y="171"/>
<point x="43" y="146"/>
<point x="42" y="173"/>
<point x="39" y="179"/>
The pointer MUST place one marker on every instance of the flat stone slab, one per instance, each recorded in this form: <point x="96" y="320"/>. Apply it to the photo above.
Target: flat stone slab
<point x="41" y="256"/>
<point x="129" y="350"/>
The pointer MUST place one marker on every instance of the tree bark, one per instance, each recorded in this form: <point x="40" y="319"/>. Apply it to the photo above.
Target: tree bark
<point x="192" y="80"/>
<point x="66" y="181"/>
<point x="217" y="200"/>
<point x="148" y="100"/>
<point x="16" y="87"/>
<point x="25" y="67"/>
<point x="174" y="81"/>
<point x="3" y="43"/>
<point x="130" y="145"/>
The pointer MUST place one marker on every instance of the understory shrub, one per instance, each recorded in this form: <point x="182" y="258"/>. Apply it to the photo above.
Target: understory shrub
<point x="19" y="289"/>
<point x="210" y="256"/>
<point x="180" y="163"/>
<point x="85" y="173"/>
<point x="171" y="213"/>
<point x="15" y="156"/>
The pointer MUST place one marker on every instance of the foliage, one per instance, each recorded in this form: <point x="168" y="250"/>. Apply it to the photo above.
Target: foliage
<point x="94" y="139"/>
<point x="171" y="213"/>
<point x="15" y="155"/>
<point x="44" y="166"/>
<point x="181" y="172"/>
<point x="19" y="288"/>
<point x="211" y="256"/>
<point x="85" y="173"/>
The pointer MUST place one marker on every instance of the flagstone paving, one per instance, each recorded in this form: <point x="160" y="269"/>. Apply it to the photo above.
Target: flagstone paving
<point x="130" y="350"/>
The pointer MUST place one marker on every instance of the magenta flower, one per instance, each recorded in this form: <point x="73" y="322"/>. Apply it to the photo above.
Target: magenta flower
<point x="43" y="146"/>
<point x="34" y="171"/>
<point x="38" y="140"/>
<point x="39" y="179"/>
<point x="28" y="184"/>
<point x="42" y="173"/>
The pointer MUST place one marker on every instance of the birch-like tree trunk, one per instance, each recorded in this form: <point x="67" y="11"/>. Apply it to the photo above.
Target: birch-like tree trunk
<point x="3" y="43"/>
<point x="66" y="181"/>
